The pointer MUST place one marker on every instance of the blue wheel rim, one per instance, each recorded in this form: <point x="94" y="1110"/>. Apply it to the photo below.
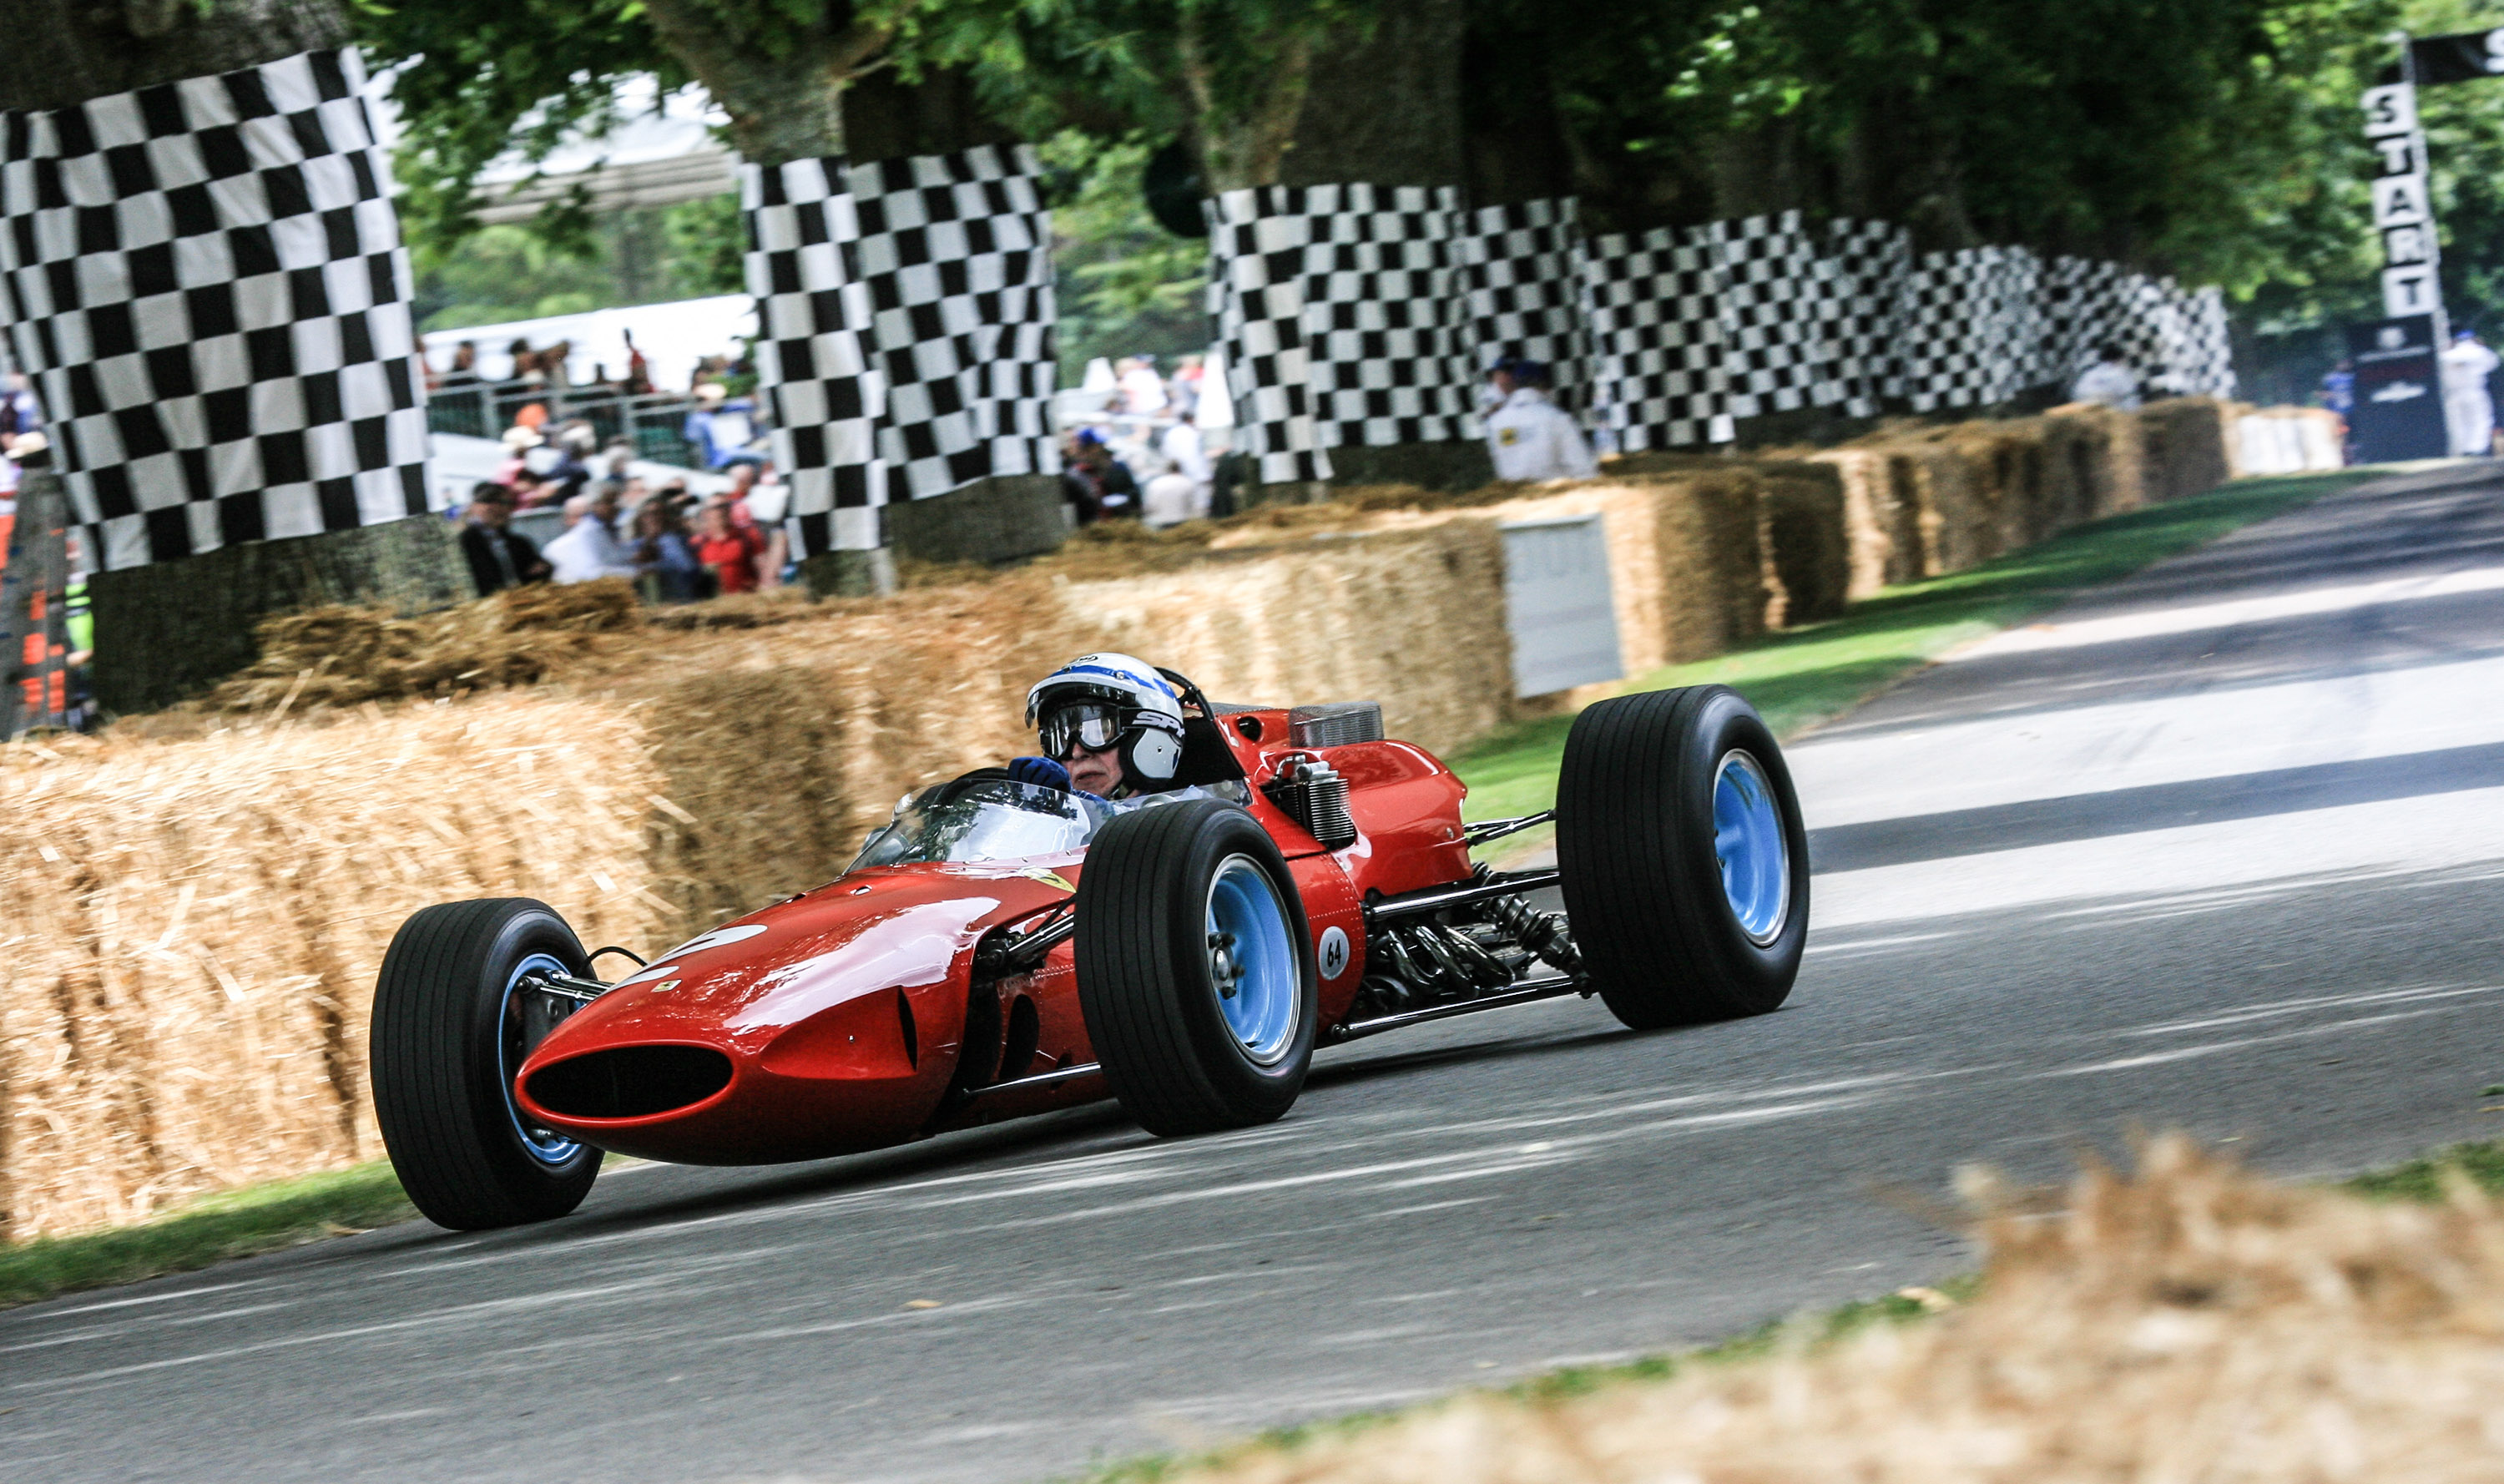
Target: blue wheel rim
<point x="1252" y="962"/>
<point x="1752" y="846"/>
<point x="546" y="1147"/>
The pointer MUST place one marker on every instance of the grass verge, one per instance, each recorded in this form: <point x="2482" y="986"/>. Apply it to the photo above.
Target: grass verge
<point x="1802" y="677"/>
<point x="230" y="1223"/>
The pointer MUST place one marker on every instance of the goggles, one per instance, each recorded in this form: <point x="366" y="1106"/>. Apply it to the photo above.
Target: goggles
<point x="1093" y="726"/>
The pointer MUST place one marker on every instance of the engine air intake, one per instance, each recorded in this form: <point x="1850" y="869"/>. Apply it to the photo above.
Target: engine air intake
<point x="1335" y="724"/>
<point x="629" y="1082"/>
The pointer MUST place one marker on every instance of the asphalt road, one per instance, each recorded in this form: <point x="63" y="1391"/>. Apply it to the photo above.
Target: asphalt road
<point x="2221" y="847"/>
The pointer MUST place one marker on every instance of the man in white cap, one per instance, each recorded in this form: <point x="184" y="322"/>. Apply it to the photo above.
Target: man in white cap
<point x="1529" y="437"/>
<point x="2468" y="407"/>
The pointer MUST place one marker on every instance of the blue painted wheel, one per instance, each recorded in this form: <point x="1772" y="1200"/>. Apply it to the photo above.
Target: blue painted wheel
<point x="451" y="1026"/>
<point x="523" y="1031"/>
<point x="1684" y="857"/>
<point x="1749" y="841"/>
<point x="1196" y="971"/>
<point x="1252" y="961"/>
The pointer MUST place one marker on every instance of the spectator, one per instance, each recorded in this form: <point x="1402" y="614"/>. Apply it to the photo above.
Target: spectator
<point x="2468" y="407"/>
<point x="638" y="371"/>
<point x="499" y="556"/>
<point x="670" y="570"/>
<point x="728" y="551"/>
<point x="574" y="442"/>
<point x="465" y="367"/>
<point x="530" y="491"/>
<point x="19" y="414"/>
<point x="518" y="441"/>
<point x="1143" y="390"/>
<point x="553" y="368"/>
<point x="1186" y="386"/>
<point x="2339" y="388"/>
<point x="590" y="548"/>
<point x="721" y="427"/>
<point x="526" y="361"/>
<point x="1094" y="482"/>
<point x="1529" y="436"/>
<point x="768" y="500"/>
<point x="2108" y="381"/>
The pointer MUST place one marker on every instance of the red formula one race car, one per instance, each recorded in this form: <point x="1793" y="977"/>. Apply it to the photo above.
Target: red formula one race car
<point x="1001" y="948"/>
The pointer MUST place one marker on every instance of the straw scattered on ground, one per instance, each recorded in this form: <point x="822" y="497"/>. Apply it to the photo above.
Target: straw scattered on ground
<point x="2185" y="1322"/>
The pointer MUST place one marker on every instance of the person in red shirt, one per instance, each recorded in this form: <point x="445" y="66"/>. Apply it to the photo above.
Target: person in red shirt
<point x="728" y="550"/>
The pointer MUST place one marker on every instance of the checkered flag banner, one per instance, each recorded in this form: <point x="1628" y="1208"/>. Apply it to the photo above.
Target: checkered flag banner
<point x="812" y="350"/>
<point x="1256" y="241"/>
<point x="956" y="253"/>
<point x="1519" y="269"/>
<point x="1857" y="275"/>
<point x="1773" y="352"/>
<point x="1659" y="367"/>
<point x="206" y="283"/>
<point x="1383" y="326"/>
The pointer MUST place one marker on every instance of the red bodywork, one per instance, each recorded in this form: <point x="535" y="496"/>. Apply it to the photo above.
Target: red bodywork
<point x="847" y="1012"/>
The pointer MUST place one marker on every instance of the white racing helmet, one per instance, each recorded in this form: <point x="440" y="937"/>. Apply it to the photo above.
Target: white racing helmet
<point x="1100" y="699"/>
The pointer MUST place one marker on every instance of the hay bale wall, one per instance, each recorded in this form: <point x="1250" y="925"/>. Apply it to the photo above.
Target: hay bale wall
<point x="1805" y="540"/>
<point x="195" y="928"/>
<point x="2185" y="440"/>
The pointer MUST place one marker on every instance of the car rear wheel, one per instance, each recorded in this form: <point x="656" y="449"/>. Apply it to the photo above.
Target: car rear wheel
<point x="1194" y="968"/>
<point x="1684" y="856"/>
<point x="451" y="1027"/>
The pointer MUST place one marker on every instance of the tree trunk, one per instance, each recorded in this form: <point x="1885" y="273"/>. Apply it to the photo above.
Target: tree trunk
<point x="782" y="108"/>
<point x="885" y="118"/>
<point x="65" y="52"/>
<point x="164" y="632"/>
<point x="1385" y="111"/>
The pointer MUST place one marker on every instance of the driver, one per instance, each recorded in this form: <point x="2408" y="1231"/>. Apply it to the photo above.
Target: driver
<point x="1108" y="725"/>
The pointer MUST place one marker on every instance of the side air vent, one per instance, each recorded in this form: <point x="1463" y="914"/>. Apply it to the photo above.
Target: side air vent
<point x="1335" y="724"/>
<point x="629" y="1082"/>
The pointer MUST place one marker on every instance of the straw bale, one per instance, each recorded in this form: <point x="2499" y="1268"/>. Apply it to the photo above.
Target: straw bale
<point x="2189" y="1321"/>
<point x="1804" y="546"/>
<point x="1957" y="508"/>
<point x="1881" y="520"/>
<point x="339" y="656"/>
<point x="1413" y="619"/>
<point x="2185" y="441"/>
<point x="195" y="927"/>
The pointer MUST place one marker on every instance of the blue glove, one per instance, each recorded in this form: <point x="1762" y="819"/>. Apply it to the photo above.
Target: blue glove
<point x="1041" y="772"/>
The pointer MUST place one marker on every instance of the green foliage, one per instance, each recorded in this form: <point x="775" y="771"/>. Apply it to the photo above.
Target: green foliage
<point x="1125" y="284"/>
<point x="706" y="243"/>
<point x="2424" y="1179"/>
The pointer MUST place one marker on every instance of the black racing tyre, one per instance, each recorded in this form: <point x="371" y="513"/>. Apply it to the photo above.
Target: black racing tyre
<point x="449" y="1032"/>
<point x="1194" y="968"/>
<point x="1684" y="860"/>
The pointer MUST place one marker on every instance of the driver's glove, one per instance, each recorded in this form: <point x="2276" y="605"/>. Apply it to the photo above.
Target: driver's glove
<point x="1041" y="772"/>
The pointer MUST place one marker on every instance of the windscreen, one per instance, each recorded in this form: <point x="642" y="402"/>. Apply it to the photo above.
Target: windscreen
<point x="990" y="820"/>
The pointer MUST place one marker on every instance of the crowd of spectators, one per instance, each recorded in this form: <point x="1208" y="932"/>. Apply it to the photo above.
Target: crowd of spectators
<point x="1143" y="455"/>
<point x="675" y="545"/>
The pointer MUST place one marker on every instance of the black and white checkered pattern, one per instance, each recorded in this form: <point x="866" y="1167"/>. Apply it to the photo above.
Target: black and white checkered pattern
<point x="956" y="253"/>
<point x="812" y="350"/>
<point x="1383" y="323"/>
<point x="1971" y="331"/>
<point x="206" y="282"/>
<point x="1859" y="274"/>
<point x="1519" y="268"/>
<point x="2081" y="310"/>
<point x="1257" y="241"/>
<point x="1773" y="352"/>
<point x="2206" y="365"/>
<point x="1659" y="360"/>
